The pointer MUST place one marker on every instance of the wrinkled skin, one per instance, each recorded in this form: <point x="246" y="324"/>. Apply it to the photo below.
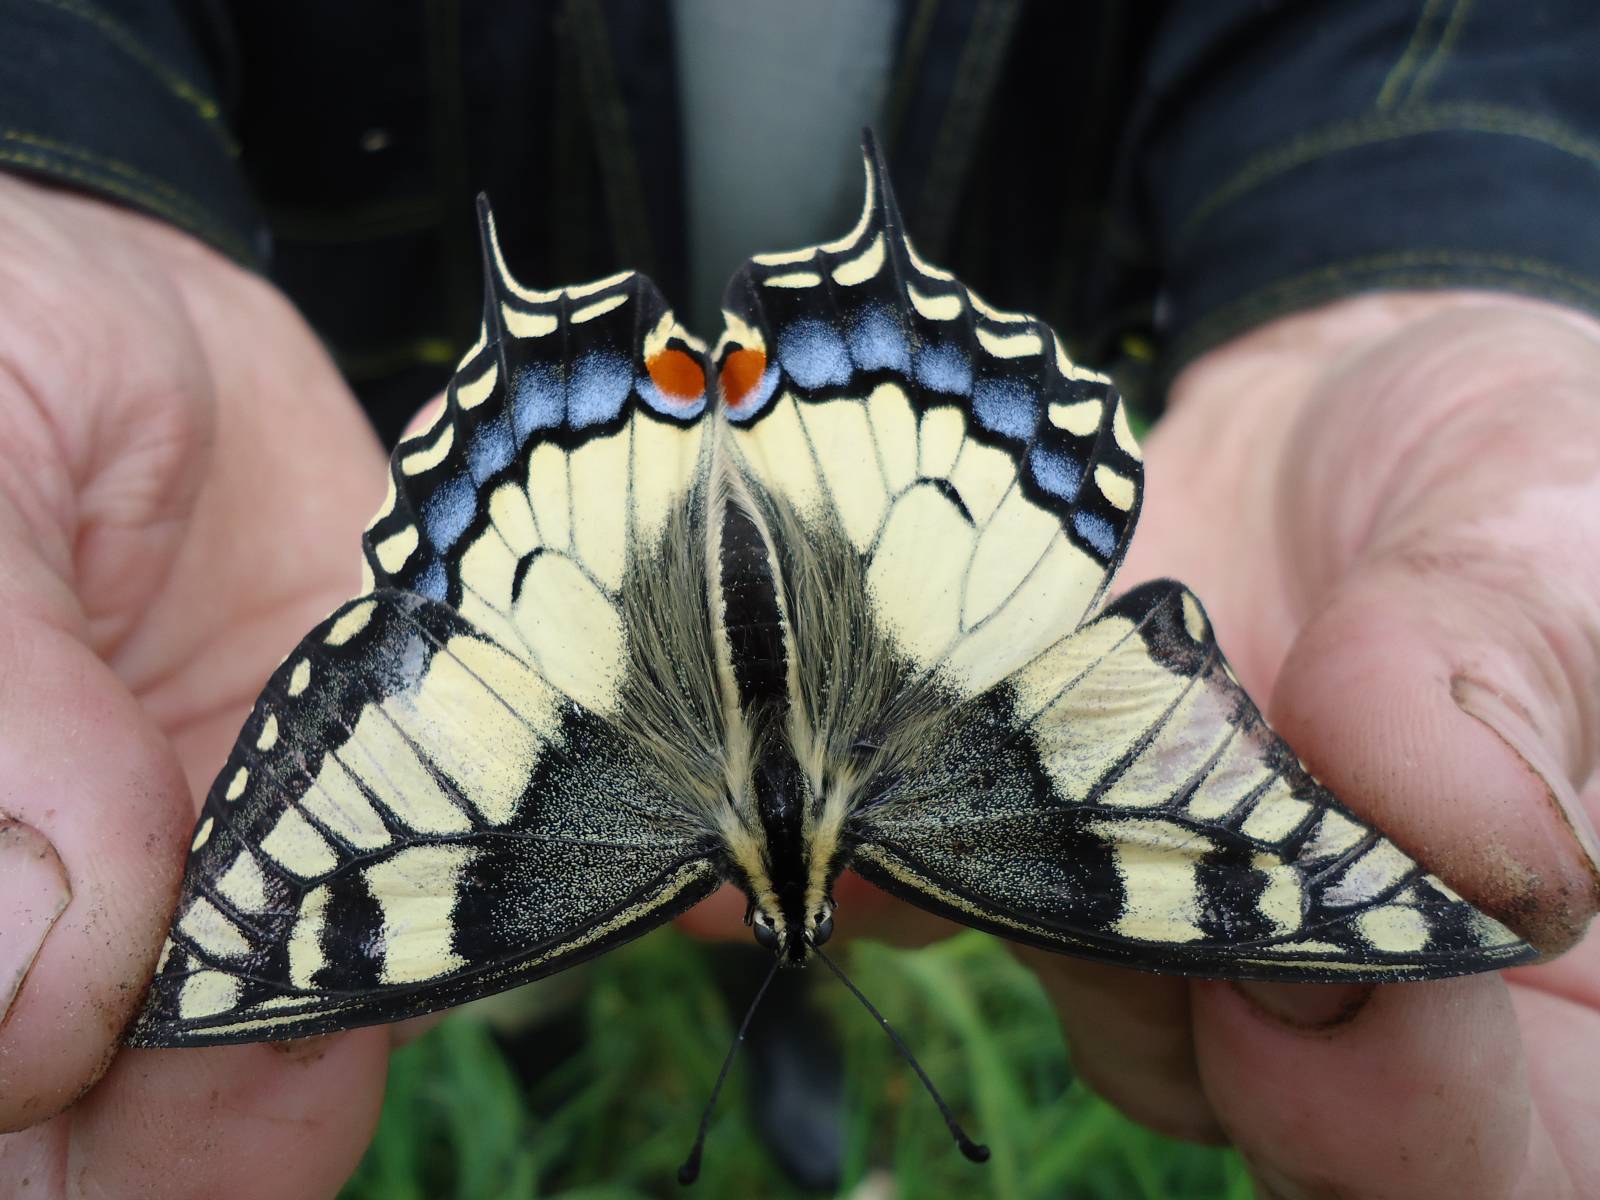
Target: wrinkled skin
<point x="1391" y="507"/>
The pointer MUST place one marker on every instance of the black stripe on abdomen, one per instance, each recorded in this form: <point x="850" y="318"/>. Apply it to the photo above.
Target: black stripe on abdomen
<point x="751" y="614"/>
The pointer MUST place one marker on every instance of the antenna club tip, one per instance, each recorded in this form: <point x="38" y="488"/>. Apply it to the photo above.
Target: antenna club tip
<point x="973" y="1151"/>
<point x="690" y="1171"/>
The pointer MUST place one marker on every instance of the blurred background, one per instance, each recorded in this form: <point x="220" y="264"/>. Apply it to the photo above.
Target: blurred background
<point x="589" y="1086"/>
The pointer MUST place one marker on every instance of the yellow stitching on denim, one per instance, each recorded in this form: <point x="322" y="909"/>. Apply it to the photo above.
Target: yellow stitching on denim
<point x="1401" y="71"/>
<point x="51" y="146"/>
<point x="118" y="34"/>
<point x="1410" y="268"/>
<point x="1441" y="53"/>
<point x="1306" y="148"/>
<point x="201" y="227"/>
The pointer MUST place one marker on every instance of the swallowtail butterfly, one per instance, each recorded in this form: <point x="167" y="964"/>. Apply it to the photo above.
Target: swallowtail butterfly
<point x="639" y="620"/>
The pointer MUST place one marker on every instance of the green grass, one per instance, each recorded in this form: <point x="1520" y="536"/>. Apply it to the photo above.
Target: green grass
<point x="633" y="1043"/>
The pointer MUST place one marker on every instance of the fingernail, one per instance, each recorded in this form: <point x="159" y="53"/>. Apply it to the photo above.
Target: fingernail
<point x="33" y="892"/>
<point x="1512" y="724"/>
<point x="1308" y="1005"/>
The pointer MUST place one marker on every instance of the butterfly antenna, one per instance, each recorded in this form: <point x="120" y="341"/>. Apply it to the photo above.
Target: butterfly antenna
<point x="690" y="1171"/>
<point x="971" y="1149"/>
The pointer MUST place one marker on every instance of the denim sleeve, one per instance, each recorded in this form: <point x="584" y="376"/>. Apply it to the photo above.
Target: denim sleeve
<point x="121" y="100"/>
<point x="1287" y="154"/>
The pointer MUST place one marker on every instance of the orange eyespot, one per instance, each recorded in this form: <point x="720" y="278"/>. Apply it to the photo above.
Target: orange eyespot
<point x="741" y="371"/>
<point x="677" y="374"/>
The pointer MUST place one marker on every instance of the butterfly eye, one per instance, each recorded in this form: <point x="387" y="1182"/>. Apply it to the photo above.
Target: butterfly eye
<point x="766" y="935"/>
<point x="823" y="930"/>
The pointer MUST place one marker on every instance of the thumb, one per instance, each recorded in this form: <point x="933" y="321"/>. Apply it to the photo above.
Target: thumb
<point x="1439" y="711"/>
<point x="93" y="815"/>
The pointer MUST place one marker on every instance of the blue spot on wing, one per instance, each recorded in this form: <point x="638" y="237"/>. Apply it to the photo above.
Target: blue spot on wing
<point x="1007" y="406"/>
<point x="447" y="513"/>
<point x="877" y="342"/>
<point x="1056" y="471"/>
<point x="598" y="388"/>
<point x="431" y="582"/>
<point x="1097" y="531"/>
<point x="536" y="401"/>
<point x="813" y="354"/>
<point x="671" y="406"/>
<point x="944" y="368"/>
<point x="491" y="450"/>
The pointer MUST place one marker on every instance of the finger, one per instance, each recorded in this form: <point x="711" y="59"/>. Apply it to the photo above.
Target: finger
<point x="1559" y="1011"/>
<point x="284" y="1122"/>
<point x="101" y="794"/>
<point x="1131" y="1041"/>
<point x="1370" y="694"/>
<point x="1422" y="1094"/>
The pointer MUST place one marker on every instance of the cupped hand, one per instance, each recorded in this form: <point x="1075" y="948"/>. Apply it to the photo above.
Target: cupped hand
<point x="1391" y="507"/>
<point x="183" y="478"/>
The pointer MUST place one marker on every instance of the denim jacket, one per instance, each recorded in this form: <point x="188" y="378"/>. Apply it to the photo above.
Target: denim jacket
<point x="1152" y="177"/>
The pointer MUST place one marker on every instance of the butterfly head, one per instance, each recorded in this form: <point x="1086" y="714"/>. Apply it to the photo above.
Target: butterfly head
<point x="791" y="935"/>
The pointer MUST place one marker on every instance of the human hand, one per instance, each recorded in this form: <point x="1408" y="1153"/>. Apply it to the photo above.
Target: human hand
<point x="183" y="477"/>
<point x="1391" y="508"/>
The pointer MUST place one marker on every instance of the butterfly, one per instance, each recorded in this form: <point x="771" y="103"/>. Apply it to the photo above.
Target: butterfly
<point x="639" y="619"/>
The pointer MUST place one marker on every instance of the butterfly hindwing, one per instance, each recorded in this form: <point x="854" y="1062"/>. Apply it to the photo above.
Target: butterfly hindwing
<point x="986" y="485"/>
<point x="484" y="768"/>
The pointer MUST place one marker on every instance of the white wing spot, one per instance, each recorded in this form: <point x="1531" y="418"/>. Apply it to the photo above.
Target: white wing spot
<point x="520" y="323"/>
<point x="393" y="551"/>
<point x="1014" y="345"/>
<point x="352" y="623"/>
<point x="1116" y="488"/>
<point x="599" y="308"/>
<point x="429" y="457"/>
<point x="782" y="258"/>
<point x="793" y="279"/>
<point x="861" y="268"/>
<point x="268" y="737"/>
<point x="203" y="834"/>
<point x="211" y="930"/>
<point x="243" y="885"/>
<point x="416" y="889"/>
<point x="206" y="993"/>
<point x="1275" y="816"/>
<point x="1001" y="315"/>
<point x="1394" y="929"/>
<point x="474" y="392"/>
<point x="579" y="291"/>
<point x="300" y="677"/>
<point x="294" y="845"/>
<point x="305" y="942"/>
<point x="1079" y="419"/>
<point x="236" y="785"/>
<point x="936" y="308"/>
<point x="1123" y="434"/>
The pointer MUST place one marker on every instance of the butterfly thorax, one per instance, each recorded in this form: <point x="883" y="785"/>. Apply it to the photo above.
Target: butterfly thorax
<point x="784" y="910"/>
